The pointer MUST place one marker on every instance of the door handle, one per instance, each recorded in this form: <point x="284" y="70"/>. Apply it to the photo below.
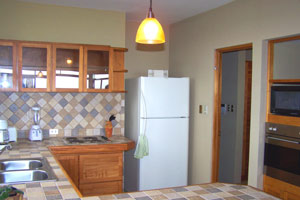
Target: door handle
<point x="283" y="140"/>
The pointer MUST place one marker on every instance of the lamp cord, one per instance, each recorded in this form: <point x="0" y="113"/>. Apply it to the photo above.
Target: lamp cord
<point x="150" y="13"/>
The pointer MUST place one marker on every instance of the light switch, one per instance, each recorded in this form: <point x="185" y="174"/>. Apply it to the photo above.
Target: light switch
<point x="231" y="108"/>
<point x="200" y="109"/>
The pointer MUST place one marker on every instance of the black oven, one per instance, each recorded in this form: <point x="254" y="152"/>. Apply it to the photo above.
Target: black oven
<point x="282" y="153"/>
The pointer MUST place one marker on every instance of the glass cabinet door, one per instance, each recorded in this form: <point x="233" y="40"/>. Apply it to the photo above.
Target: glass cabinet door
<point x="7" y="66"/>
<point x="68" y="62"/>
<point x="34" y="63"/>
<point x="286" y="59"/>
<point x="96" y="73"/>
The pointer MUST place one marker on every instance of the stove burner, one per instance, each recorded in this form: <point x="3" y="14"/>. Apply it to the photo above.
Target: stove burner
<point x="90" y="138"/>
<point x="71" y="138"/>
<point x="74" y="140"/>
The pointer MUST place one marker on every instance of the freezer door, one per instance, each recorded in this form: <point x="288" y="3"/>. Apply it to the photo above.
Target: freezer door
<point x="167" y="163"/>
<point x="164" y="97"/>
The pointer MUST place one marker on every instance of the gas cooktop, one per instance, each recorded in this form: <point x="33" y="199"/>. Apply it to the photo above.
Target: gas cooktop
<point x="86" y="140"/>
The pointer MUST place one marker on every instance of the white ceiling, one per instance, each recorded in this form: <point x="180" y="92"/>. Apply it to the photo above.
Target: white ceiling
<point x="166" y="11"/>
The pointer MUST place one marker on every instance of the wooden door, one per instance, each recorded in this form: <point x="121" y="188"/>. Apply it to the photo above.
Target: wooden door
<point x="217" y="105"/>
<point x="101" y="188"/>
<point x="100" y="173"/>
<point x="101" y="167"/>
<point x="247" y="116"/>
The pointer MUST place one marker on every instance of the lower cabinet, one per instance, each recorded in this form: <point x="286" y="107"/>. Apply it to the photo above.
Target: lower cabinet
<point x="100" y="173"/>
<point x="93" y="189"/>
<point x="281" y="189"/>
<point x="96" y="173"/>
<point x="70" y="165"/>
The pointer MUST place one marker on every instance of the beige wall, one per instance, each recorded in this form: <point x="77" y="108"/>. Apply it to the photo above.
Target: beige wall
<point x="192" y="45"/>
<point x="39" y="22"/>
<point x="140" y="57"/>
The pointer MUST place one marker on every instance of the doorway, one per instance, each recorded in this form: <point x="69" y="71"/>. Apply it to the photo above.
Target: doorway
<point x="232" y="111"/>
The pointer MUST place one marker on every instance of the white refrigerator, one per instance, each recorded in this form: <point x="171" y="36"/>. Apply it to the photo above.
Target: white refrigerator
<point x="158" y="107"/>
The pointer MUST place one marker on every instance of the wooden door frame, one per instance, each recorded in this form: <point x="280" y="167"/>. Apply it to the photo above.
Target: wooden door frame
<point x="247" y="119"/>
<point x="217" y="105"/>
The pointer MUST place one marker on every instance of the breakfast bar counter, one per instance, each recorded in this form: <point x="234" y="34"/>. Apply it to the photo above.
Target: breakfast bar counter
<point x="63" y="189"/>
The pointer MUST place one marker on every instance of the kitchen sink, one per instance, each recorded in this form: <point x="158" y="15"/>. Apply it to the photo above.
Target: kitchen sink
<point x="20" y="165"/>
<point x="23" y="176"/>
<point x="25" y="170"/>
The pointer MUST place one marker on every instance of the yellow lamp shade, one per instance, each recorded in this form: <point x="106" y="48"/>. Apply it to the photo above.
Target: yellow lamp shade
<point x="150" y="32"/>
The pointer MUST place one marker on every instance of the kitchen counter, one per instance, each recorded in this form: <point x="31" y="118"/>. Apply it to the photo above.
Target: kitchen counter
<point x="63" y="189"/>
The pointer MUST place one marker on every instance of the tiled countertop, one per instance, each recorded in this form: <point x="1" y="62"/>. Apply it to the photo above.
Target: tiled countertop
<point x="62" y="189"/>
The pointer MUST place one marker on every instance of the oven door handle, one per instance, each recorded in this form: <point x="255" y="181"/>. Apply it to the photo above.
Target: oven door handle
<point x="283" y="140"/>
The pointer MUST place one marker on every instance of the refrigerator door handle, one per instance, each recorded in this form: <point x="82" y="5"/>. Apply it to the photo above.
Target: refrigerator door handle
<point x="142" y="147"/>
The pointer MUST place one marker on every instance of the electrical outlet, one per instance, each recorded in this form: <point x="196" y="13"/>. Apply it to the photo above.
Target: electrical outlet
<point x="205" y="110"/>
<point x="53" y="131"/>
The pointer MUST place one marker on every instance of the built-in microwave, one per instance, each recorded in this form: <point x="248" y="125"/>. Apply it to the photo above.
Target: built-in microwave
<point x="285" y="100"/>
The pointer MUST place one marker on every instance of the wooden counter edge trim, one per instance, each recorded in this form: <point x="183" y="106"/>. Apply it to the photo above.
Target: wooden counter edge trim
<point x="100" y="148"/>
<point x="66" y="174"/>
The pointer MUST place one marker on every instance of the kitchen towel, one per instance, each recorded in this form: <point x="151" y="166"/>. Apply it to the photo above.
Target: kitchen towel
<point x="142" y="148"/>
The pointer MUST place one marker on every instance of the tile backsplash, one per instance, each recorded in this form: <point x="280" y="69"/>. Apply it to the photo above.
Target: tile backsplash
<point x="73" y="114"/>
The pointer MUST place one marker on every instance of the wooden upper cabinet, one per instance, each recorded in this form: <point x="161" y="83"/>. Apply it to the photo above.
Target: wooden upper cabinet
<point x="97" y="73"/>
<point x="67" y="67"/>
<point x="118" y="70"/>
<point x="284" y="60"/>
<point x="34" y="67"/>
<point x="283" y="68"/>
<point x="8" y="66"/>
<point x="60" y="67"/>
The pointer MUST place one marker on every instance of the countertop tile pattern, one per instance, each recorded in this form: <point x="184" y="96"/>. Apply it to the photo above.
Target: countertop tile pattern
<point x="62" y="189"/>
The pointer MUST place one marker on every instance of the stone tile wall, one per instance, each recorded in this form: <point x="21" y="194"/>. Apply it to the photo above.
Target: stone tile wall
<point x="73" y="114"/>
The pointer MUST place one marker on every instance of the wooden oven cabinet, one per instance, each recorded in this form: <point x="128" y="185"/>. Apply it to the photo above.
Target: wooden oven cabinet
<point x="281" y="189"/>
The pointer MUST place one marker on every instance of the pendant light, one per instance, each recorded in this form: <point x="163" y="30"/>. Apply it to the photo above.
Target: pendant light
<point x="40" y="74"/>
<point x="150" y="30"/>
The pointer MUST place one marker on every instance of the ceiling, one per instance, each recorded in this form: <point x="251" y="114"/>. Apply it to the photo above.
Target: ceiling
<point x="166" y="11"/>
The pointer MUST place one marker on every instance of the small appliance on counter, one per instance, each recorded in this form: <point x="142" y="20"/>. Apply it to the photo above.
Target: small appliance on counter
<point x="12" y="133"/>
<point x="35" y="133"/>
<point x="3" y="131"/>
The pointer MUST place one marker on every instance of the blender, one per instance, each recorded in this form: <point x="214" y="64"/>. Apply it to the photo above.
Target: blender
<point x="35" y="133"/>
